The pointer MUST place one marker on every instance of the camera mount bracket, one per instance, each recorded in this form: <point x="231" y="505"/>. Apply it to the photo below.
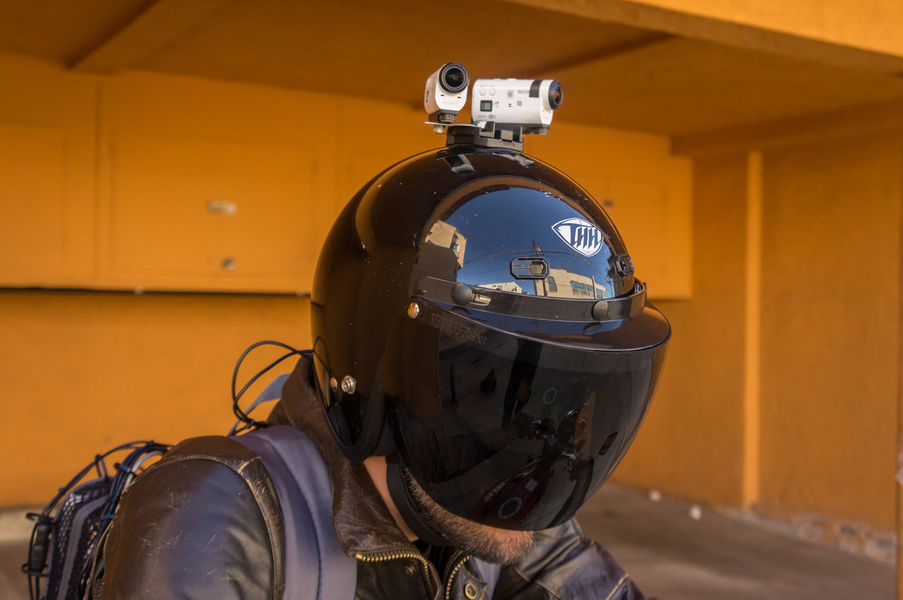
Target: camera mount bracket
<point x="492" y="135"/>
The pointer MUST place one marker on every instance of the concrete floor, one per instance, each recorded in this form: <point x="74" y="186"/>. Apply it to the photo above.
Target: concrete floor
<point x="674" y="557"/>
<point x="13" y="584"/>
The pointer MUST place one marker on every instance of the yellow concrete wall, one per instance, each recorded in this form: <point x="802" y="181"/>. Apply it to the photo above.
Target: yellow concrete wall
<point x="691" y="444"/>
<point x="831" y="328"/>
<point x="83" y="371"/>
<point x="828" y="331"/>
<point x="110" y="185"/>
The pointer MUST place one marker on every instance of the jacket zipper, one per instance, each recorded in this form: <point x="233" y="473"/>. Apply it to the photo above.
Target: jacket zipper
<point x="395" y="555"/>
<point x="451" y="574"/>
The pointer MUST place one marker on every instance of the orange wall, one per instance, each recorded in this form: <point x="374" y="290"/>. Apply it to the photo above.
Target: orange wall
<point x="87" y="370"/>
<point x="829" y="334"/>
<point x="691" y="444"/>
<point x="831" y="328"/>
<point x="84" y="371"/>
<point x="112" y="184"/>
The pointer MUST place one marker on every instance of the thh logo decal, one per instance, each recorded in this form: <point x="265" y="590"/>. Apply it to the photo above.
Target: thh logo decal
<point x="582" y="236"/>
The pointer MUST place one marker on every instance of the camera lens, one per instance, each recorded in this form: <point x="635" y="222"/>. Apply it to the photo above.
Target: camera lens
<point x="555" y="95"/>
<point x="453" y="78"/>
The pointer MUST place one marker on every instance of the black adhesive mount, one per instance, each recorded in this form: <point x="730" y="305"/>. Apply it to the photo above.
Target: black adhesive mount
<point x="493" y="135"/>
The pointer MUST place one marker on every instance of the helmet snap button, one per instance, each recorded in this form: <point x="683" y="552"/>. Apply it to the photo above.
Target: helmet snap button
<point x="470" y="590"/>
<point x="462" y="294"/>
<point x="600" y="310"/>
<point x="348" y="384"/>
<point x="413" y="310"/>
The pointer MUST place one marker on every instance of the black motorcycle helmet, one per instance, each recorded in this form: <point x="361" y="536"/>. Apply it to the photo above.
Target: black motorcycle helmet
<point x="476" y="318"/>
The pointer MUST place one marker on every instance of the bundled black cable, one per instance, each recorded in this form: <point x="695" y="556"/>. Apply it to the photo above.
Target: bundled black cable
<point x="248" y="422"/>
<point x="69" y="531"/>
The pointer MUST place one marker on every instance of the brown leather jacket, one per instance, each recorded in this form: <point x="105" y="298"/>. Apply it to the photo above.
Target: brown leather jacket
<point x="204" y="523"/>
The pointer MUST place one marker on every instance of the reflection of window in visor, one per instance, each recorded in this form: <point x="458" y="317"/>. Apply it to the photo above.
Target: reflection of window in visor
<point x="513" y="432"/>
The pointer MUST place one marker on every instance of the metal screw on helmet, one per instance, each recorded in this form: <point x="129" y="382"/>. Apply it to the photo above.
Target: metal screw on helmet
<point x="348" y="384"/>
<point x="413" y="310"/>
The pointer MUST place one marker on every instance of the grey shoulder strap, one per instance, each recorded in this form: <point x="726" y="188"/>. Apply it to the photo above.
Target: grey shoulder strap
<point x="273" y="391"/>
<point x="315" y="565"/>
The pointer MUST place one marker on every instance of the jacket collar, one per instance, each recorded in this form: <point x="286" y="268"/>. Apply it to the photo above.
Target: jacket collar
<point x="363" y="524"/>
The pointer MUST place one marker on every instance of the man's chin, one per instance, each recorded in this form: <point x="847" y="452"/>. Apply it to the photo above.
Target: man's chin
<point x="499" y="546"/>
<point x="491" y="544"/>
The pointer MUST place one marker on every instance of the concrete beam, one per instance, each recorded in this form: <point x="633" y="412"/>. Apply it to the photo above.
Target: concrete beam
<point x="596" y="55"/>
<point x="860" y="34"/>
<point x="885" y="118"/>
<point x="160" y="23"/>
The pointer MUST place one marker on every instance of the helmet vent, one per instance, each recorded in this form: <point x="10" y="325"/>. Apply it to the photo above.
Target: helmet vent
<point x="534" y="267"/>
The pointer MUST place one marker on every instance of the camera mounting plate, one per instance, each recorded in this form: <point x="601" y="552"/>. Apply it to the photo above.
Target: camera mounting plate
<point x="492" y="135"/>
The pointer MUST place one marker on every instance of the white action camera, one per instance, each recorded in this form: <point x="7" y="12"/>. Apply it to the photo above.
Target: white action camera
<point x="526" y="102"/>
<point x="446" y="93"/>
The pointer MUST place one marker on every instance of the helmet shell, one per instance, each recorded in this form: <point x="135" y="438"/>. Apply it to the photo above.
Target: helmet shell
<point x="473" y="244"/>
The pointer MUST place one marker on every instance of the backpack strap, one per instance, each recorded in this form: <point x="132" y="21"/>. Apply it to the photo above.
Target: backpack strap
<point x="316" y="567"/>
<point x="273" y="391"/>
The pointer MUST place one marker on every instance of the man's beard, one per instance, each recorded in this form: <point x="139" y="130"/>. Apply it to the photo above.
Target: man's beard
<point x="494" y="545"/>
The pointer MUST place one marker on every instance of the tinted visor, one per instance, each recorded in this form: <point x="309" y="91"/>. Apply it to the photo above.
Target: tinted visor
<point x="511" y="431"/>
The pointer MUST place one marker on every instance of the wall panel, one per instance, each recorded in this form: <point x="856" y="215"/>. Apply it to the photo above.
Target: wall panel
<point x="107" y="183"/>
<point x="691" y="443"/>
<point x="85" y="371"/>
<point x="210" y="186"/>
<point x="830" y="328"/>
<point x="216" y="186"/>
<point x="46" y="174"/>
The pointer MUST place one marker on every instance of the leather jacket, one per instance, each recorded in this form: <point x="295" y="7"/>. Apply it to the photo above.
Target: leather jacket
<point x="204" y="522"/>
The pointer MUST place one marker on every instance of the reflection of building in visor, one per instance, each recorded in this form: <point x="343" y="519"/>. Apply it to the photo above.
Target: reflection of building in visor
<point x="518" y="432"/>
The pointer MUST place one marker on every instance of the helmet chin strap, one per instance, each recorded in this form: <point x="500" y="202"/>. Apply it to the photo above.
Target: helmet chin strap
<point x="401" y="496"/>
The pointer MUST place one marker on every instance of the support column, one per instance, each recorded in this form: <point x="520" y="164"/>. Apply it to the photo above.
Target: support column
<point x="751" y="391"/>
<point x="899" y="487"/>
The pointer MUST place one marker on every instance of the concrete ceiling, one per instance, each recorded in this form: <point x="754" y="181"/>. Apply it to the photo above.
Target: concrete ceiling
<point x="63" y="31"/>
<point x="613" y="74"/>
